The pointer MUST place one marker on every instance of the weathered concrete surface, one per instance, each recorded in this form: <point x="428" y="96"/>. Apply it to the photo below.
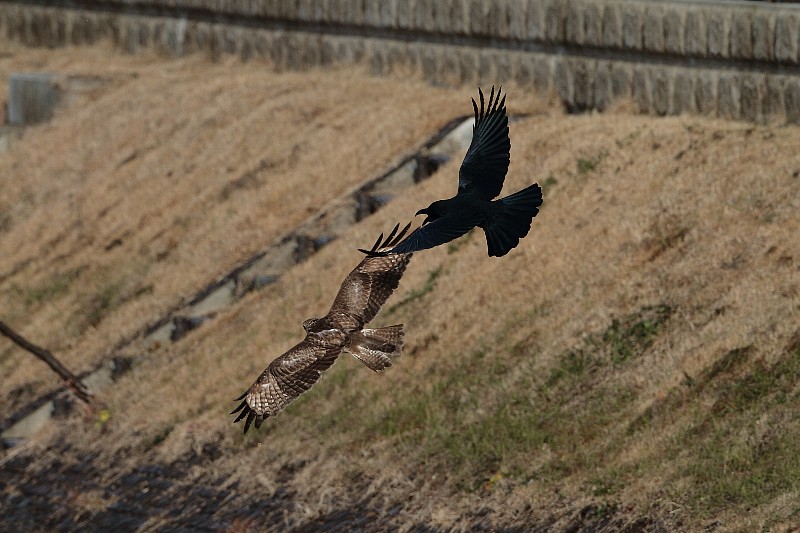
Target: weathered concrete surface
<point x="32" y="97"/>
<point x="456" y="141"/>
<point x="575" y="46"/>
<point x="8" y="135"/>
<point x="218" y="299"/>
<point x="28" y="426"/>
<point x="161" y="336"/>
<point x="99" y="379"/>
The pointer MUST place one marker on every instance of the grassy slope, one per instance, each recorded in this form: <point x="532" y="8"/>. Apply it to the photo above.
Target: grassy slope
<point x="169" y="176"/>
<point x="639" y="351"/>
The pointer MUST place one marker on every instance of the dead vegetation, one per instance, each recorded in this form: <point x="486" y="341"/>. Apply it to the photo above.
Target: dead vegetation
<point x="172" y="175"/>
<point x="633" y="362"/>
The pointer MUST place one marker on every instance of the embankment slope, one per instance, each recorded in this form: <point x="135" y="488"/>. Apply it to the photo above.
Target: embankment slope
<point x="635" y="362"/>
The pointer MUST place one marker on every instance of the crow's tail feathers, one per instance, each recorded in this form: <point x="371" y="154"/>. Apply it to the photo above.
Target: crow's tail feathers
<point x="377" y="347"/>
<point x="512" y="219"/>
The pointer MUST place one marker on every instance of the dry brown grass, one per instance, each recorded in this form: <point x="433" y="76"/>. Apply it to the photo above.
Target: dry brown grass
<point x="487" y="408"/>
<point x="171" y="175"/>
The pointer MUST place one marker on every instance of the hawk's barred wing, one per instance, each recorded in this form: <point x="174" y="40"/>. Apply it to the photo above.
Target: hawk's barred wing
<point x="370" y="284"/>
<point x="286" y="378"/>
<point x="485" y="166"/>
<point x="361" y="296"/>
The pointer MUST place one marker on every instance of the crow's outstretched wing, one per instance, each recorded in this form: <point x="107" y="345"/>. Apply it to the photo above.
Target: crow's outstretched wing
<point x="485" y="166"/>
<point x="438" y="232"/>
<point x="286" y="378"/>
<point x="370" y="284"/>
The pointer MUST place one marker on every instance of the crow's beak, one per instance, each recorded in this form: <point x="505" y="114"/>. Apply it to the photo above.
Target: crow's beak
<point x="424" y="212"/>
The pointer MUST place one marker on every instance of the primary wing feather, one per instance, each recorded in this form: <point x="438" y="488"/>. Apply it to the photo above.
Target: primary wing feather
<point x="485" y="166"/>
<point x="370" y="284"/>
<point x="286" y="378"/>
<point x="438" y="232"/>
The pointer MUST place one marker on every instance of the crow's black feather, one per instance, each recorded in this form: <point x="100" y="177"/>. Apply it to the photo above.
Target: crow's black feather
<point x="480" y="180"/>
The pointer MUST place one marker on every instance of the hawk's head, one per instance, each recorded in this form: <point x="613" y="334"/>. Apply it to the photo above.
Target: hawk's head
<point x="310" y="323"/>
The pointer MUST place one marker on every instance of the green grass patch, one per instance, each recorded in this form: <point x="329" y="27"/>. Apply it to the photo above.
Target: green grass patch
<point x="625" y="338"/>
<point x="740" y="451"/>
<point x="584" y="166"/>
<point x="466" y="420"/>
<point x="607" y="483"/>
<point x="5" y="219"/>
<point x="716" y="377"/>
<point x="98" y="305"/>
<point x="573" y="363"/>
<point x="56" y="286"/>
<point x="111" y="295"/>
<point x="728" y="363"/>
<point x="659" y="411"/>
<point x="761" y="387"/>
<point x="745" y="449"/>
<point x="732" y="465"/>
<point x="630" y="337"/>
<point x="549" y="181"/>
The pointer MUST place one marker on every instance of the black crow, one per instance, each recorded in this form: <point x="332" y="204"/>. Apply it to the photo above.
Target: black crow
<point x="480" y="179"/>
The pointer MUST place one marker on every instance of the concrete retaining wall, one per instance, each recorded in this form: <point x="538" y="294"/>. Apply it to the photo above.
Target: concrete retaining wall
<point x="737" y="60"/>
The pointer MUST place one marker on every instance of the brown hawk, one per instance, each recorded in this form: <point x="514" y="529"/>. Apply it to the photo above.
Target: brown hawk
<point x="360" y="297"/>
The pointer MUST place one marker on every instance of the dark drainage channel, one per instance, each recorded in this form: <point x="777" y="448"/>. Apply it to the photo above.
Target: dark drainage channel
<point x="322" y="228"/>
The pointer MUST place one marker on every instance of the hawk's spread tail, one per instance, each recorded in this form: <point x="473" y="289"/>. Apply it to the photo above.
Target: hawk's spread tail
<point x="376" y="347"/>
<point x="511" y="219"/>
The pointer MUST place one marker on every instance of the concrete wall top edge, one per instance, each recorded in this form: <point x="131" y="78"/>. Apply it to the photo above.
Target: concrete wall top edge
<point x="668" y="56"/>
<point x="304" y="8"/>
<point x="717" y="30"/>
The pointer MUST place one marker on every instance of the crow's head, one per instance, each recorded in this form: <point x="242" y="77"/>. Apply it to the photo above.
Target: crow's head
<point x="424" y="212"/>
<point x="432" y="211"/>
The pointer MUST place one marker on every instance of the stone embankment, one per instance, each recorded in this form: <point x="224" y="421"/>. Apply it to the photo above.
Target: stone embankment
<point x="734" y="59"/>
